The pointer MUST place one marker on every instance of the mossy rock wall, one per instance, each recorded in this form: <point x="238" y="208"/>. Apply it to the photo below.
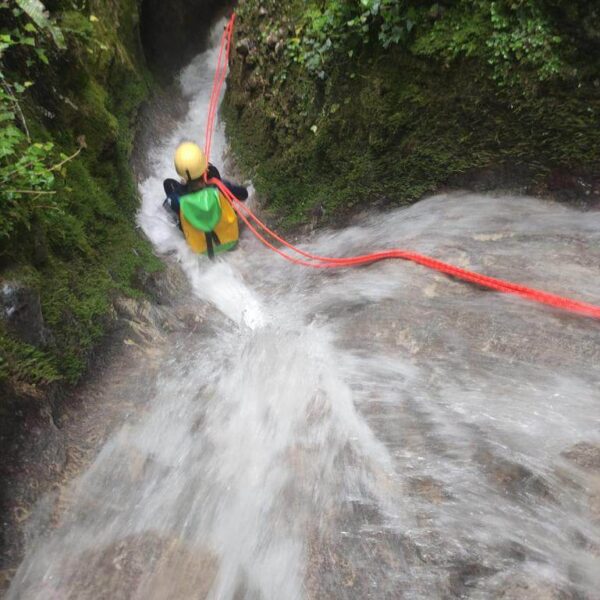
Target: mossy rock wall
<point x="78" y="263"/>
<point x="383" y="126"/>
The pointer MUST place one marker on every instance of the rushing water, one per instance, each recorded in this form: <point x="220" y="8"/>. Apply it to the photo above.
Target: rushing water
<point x="381" y="432"/>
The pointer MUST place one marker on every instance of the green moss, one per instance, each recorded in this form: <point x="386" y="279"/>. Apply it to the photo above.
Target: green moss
<point x="22" y="363"/>
<point x="95" y="253"/>
<point x="389" y="125"/>
<point x="81" y="256"/>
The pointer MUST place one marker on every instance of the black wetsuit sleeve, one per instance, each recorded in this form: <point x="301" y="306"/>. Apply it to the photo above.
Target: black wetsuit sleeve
<point x="173" y="190"/>
<point x="213" y="172"/>
<point x="239" y="191"/>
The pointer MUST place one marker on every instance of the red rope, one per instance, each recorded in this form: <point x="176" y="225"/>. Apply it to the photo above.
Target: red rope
<point x="325" y="262"/>
<point x="220" y="75"/>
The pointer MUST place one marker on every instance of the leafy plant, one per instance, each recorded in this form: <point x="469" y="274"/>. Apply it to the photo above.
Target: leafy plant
<point x="516" y="38"/>
<point x="521" y="34"/>
<point x="37" y="12"/>
<point x="22" y="362"/>
<point x="28" y="168"/>
<point x="347" y="25"/>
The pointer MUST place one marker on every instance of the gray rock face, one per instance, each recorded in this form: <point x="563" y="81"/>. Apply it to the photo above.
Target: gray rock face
<point x="585" y="456"/>
<point x="21" y="313"/>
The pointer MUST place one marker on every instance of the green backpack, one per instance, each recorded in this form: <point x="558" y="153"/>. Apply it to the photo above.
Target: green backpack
<point x="202" y="209"/>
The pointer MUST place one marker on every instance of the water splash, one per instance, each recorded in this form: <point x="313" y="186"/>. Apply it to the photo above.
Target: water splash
<point x="216" y="282"/>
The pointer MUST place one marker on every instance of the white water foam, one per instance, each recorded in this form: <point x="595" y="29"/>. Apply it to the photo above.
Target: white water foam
<point x="216" y="282"/>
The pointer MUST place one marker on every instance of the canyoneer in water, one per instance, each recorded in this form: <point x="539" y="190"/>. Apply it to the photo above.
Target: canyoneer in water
<point x="206" y="218"/>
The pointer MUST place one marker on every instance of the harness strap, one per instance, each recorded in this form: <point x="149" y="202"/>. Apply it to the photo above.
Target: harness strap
<point x="212" y="240"/>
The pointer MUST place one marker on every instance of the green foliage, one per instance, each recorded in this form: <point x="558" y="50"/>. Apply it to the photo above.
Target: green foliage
<point x="27" y="169"/>
<point x="22" y="363"/>
<point x="392" y="20"/>
<point x="337" y="24"/>
<point x="28" y="178"/>
<point x="316" y="36"/>
<point x="37" y="12"/>
<point x="69" y="222"/>
<point x="78" y="25"/>
<point x="518" y="39"/>
<point x="522" y="34"/>
<point x="31" y="26"/>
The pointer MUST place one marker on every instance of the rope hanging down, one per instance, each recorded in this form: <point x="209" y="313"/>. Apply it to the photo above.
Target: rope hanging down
<point x="307" y="259"/>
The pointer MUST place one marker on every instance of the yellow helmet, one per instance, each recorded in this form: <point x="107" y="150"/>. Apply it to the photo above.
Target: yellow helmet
<point x="190" y="161"/>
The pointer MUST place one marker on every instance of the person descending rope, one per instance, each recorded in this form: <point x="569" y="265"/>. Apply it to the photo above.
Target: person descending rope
<point x="205" y="217"/>
<point x="191" y="165"/>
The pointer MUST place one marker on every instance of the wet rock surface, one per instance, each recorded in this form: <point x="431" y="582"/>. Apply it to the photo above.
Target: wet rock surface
<point x="21" y="313"/>
<point x="157" y="568"/>
<point x="580" y="190"/>
<point x="54" y="434"/>
<point x="585" y="455"/>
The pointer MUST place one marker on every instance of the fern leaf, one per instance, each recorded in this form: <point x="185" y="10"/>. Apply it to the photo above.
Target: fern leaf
<point x="37" y="12"/>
